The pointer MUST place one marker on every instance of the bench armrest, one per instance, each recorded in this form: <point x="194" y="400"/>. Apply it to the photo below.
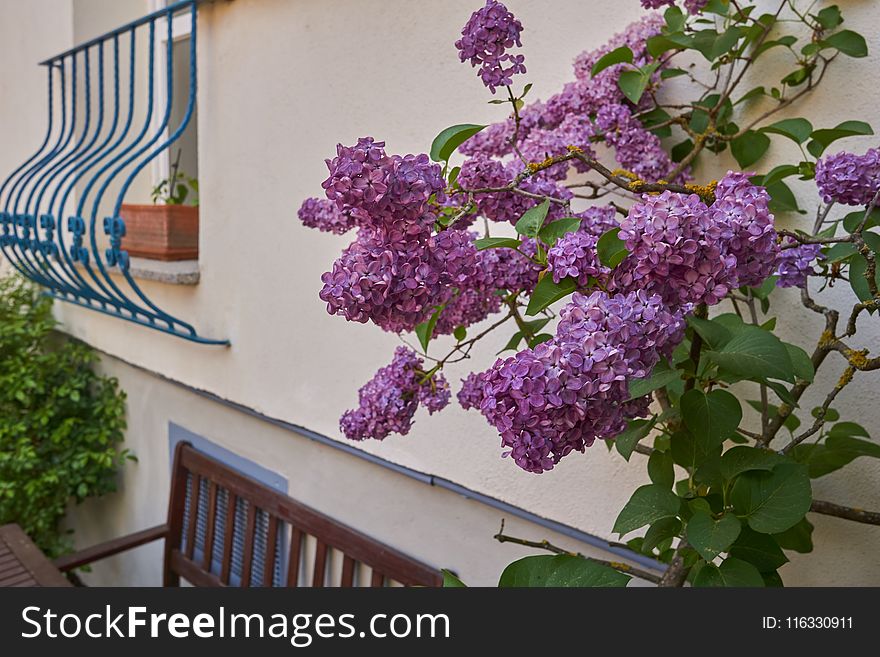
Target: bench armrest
<point x="109" y="548"/>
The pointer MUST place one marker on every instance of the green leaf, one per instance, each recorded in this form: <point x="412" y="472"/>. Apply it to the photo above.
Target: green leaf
<point x="560" y="571"/>
<point x="712" y="417"/>
<point x="660" y="469"/>
<point x="781" y="198"/>
<point x="532" y="220"/>
<point x="853" y="220"/>
<point x="659" y="44"/>
<point x="425" y="330"/>
<point x="773" y="501"/>
<point x="547" y="292"/>
<point x="819" y="460"/>
<point x="715" y="335"/>
<point x="459" y="333"/>
<point x="446" y="142"/>
<point x="627" y="440"/>
<point x="662" y="530"/>
<point x="539" y="339"/>
<point x="711" y="537"/>
<point x="848" y="429"/>
<point x="725" y="42"/>
<point x="798" y="538"/>
<point x="691" y="453"/>
<point x="823" y="138"/>
<point x="752" y="93"/>
<point x="848" y="42"/>
<point x="749" y="148"/>
<point x="681" y="150"/>
<point x="633" y="85"/>
<point x="675" y="19"/>
<point x="732" y="573"/>
<point x="760" y="550"/>
<point x="743" y="458"/>
<point x="648" y="504"/>
<point x="553" y="231"/>
<point x="513" y="343"/>
<point x="829" y="17"/>
<point x="800" y="360"/>
<point x="798" y="130"/>
<point x="755" y="353"/>
<point x="779" y="173"/>
<point x="497" y="243"/>
<point x="662" y="376"/>
<point x="840" y="251"/>
<point x="617" y="56"/>
<point x="611" y="249"/>
<point x="858" y="268"/>
<point x="450" y="581"/>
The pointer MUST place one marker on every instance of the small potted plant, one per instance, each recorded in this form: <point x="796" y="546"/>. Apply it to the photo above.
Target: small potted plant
<point x="168" y="229"/>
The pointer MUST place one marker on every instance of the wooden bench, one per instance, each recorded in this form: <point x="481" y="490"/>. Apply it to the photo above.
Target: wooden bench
<point x="226" y="529"/>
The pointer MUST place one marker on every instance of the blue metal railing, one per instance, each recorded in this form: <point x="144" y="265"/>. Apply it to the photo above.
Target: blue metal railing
<point x="50" y="205"/>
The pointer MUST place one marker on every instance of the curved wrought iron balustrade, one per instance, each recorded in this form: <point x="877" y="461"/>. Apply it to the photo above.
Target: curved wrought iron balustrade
<point x="105" y="127"/>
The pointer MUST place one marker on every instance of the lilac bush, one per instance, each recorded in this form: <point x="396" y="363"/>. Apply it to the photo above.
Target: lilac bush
<point x="637" y="294"/>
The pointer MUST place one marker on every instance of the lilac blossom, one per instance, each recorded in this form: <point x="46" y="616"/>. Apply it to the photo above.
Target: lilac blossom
<point x="323" y="214"/>
<point x="388" y="401"/>
<point x="574" y="255"/>
<point x="848" y="178"/>
<point x="795" y="263"/>
<point x="676" y="250"/>
<point x="485" y="40"/>
<point x="742" y="211"/>
<point x="559" y="397"/>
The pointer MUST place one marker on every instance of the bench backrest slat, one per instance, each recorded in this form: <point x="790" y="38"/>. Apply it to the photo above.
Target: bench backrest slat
<point x="226" y="529"/>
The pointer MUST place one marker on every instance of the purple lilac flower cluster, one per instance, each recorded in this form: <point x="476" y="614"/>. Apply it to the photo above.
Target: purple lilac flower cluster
<point x="635" y="149"/>
<point x="676" y="251"/>
<point x="565" y="393"/>
<point x="389" y="400"/>
<point x="795" y="263"/>
<point x="485" y="40"/>
<point x="482" y="172"/>
<point x="323" y="214"/>
<point x="690" y="253"/>
<point x="848" y="178"/>
<point x="396" y="271"/>
<point x="574" y="255"/>
<point x="742" y="211"/>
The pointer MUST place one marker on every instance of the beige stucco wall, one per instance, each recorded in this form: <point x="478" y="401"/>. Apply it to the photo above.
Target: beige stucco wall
<point x="281" y="81"/>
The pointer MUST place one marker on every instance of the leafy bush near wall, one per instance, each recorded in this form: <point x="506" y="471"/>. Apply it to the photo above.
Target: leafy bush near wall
<point x="61" y="423"/>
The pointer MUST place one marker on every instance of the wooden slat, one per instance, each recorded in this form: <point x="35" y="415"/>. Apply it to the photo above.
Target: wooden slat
<point x="320" y="564"/>
<point x="176" y="510"/>
<point x="296" y="541"/>
<point x="209" y="529"/>
<point x="192" y="572"/>
<point x="194" y="492"/>
<point x="347" y="572"/>
<point x="360" y="547"/>
<point x="32" y="560"/>
<point x="377" y="579"/>
<point x="247" y="560"/>
<point x="229" y="532"/>
<point x="23" y="577"/>
<point x="109" y="548"/>
<point x="269" y="561"/>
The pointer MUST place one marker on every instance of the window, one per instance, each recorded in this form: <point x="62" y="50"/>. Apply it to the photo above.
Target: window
<point x="184" y="151"/>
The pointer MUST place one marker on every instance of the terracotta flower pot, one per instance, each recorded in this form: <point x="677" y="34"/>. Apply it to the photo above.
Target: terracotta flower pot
<point x="161" y="232"/>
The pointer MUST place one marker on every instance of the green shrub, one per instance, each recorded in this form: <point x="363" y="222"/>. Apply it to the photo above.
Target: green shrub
<point x="61" y="423"/>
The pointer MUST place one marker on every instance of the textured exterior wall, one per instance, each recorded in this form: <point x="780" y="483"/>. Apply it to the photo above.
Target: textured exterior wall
<point x="281" y="82"/>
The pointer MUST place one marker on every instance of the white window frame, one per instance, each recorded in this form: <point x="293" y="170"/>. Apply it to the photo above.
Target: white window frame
<point x="181" y="28"/>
